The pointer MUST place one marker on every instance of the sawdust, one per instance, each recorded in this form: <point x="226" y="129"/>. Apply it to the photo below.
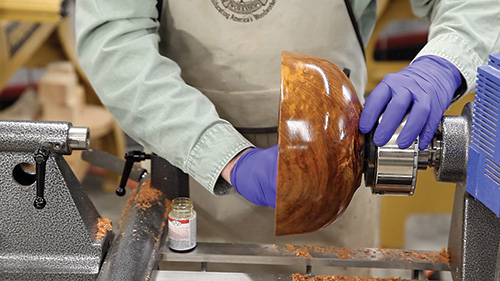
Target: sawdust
<point x="305" y="251"/>
<point x="303" y="277"/>
<point x="103" y="226"/>
<point x="299" y="252"/>
<point x="142" y="198"/>
<point x="147" y="194"/>
<point x="129" y="204"/>
<point x="441" y="256"/>
<point x="341" y="253"/>
<point x="433" y="257"/>
<point x="344" y="253"/>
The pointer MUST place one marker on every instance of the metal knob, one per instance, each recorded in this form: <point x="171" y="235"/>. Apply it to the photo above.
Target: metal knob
<point x="451" y="147"/>
<point x="79" y="138"/>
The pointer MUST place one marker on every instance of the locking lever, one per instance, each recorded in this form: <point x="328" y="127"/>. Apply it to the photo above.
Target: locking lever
<point x="130" y="158"/>
<point x="41" y="156"/>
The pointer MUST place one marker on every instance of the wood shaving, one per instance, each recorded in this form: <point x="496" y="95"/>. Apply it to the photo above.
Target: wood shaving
<point x="146" y="195"/>
<point x="129" y="203"/>
<point x="299" y="252"/>
<point x="441" y="256"/>
<point x="303" y="277"/>
<point x="103" y="226"/>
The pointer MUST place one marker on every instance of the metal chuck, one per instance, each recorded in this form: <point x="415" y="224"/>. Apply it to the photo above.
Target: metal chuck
<point x="393" y="171"/>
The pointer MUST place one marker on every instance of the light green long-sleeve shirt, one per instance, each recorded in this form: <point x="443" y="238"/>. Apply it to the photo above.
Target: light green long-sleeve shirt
<point x="117" y="43"/>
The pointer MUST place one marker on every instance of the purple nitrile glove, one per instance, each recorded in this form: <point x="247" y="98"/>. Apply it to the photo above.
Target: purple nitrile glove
<point x="255" y="175"/>
<point x="426" y="87"/>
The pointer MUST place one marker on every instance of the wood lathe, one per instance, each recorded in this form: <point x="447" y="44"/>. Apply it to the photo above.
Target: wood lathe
<point x="49" y="227"/>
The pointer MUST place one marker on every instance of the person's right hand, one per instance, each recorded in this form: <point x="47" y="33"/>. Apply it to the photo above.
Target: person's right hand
<point x="254" y="175"/>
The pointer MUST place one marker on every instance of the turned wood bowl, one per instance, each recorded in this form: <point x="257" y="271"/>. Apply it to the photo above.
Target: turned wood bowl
<point x="320" y="146"/>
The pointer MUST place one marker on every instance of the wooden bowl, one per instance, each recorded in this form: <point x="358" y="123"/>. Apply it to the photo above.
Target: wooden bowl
<point x="320" y="146"/>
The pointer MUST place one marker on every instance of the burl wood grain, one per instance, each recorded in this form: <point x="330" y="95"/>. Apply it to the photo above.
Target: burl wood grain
<point x="320" y="146"/>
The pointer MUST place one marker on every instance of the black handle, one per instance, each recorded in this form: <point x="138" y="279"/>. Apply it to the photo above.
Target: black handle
<point x="41" y="156"/>
<point x="130" y="158"/>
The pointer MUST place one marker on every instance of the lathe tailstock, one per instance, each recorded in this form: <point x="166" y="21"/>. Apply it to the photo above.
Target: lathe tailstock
<point x="49" y="229"/>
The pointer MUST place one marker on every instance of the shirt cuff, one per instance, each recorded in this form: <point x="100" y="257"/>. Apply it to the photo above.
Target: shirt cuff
<point x="216" y="147"/>
<point x="455" y="49"/>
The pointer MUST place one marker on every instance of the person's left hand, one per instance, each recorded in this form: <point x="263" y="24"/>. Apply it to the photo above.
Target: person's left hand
<point x="255" y="175"/>
<point x="426" y="87"/>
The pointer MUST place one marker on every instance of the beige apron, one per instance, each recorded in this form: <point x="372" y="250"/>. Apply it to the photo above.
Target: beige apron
<point x="231" y="51"/>
<point x="237" y="65"/>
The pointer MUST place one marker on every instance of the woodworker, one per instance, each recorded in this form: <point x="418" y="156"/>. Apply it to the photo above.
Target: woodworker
<point x="216" y="120"/>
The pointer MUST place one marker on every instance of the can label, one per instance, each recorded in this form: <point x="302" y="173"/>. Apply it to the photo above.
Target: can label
<point x="181" y="234"/>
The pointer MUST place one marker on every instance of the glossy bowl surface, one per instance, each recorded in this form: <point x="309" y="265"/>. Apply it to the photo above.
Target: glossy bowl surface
<point x="320" y="146"/>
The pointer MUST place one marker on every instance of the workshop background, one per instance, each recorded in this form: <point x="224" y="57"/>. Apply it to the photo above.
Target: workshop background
<point x="40" y="79"/>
